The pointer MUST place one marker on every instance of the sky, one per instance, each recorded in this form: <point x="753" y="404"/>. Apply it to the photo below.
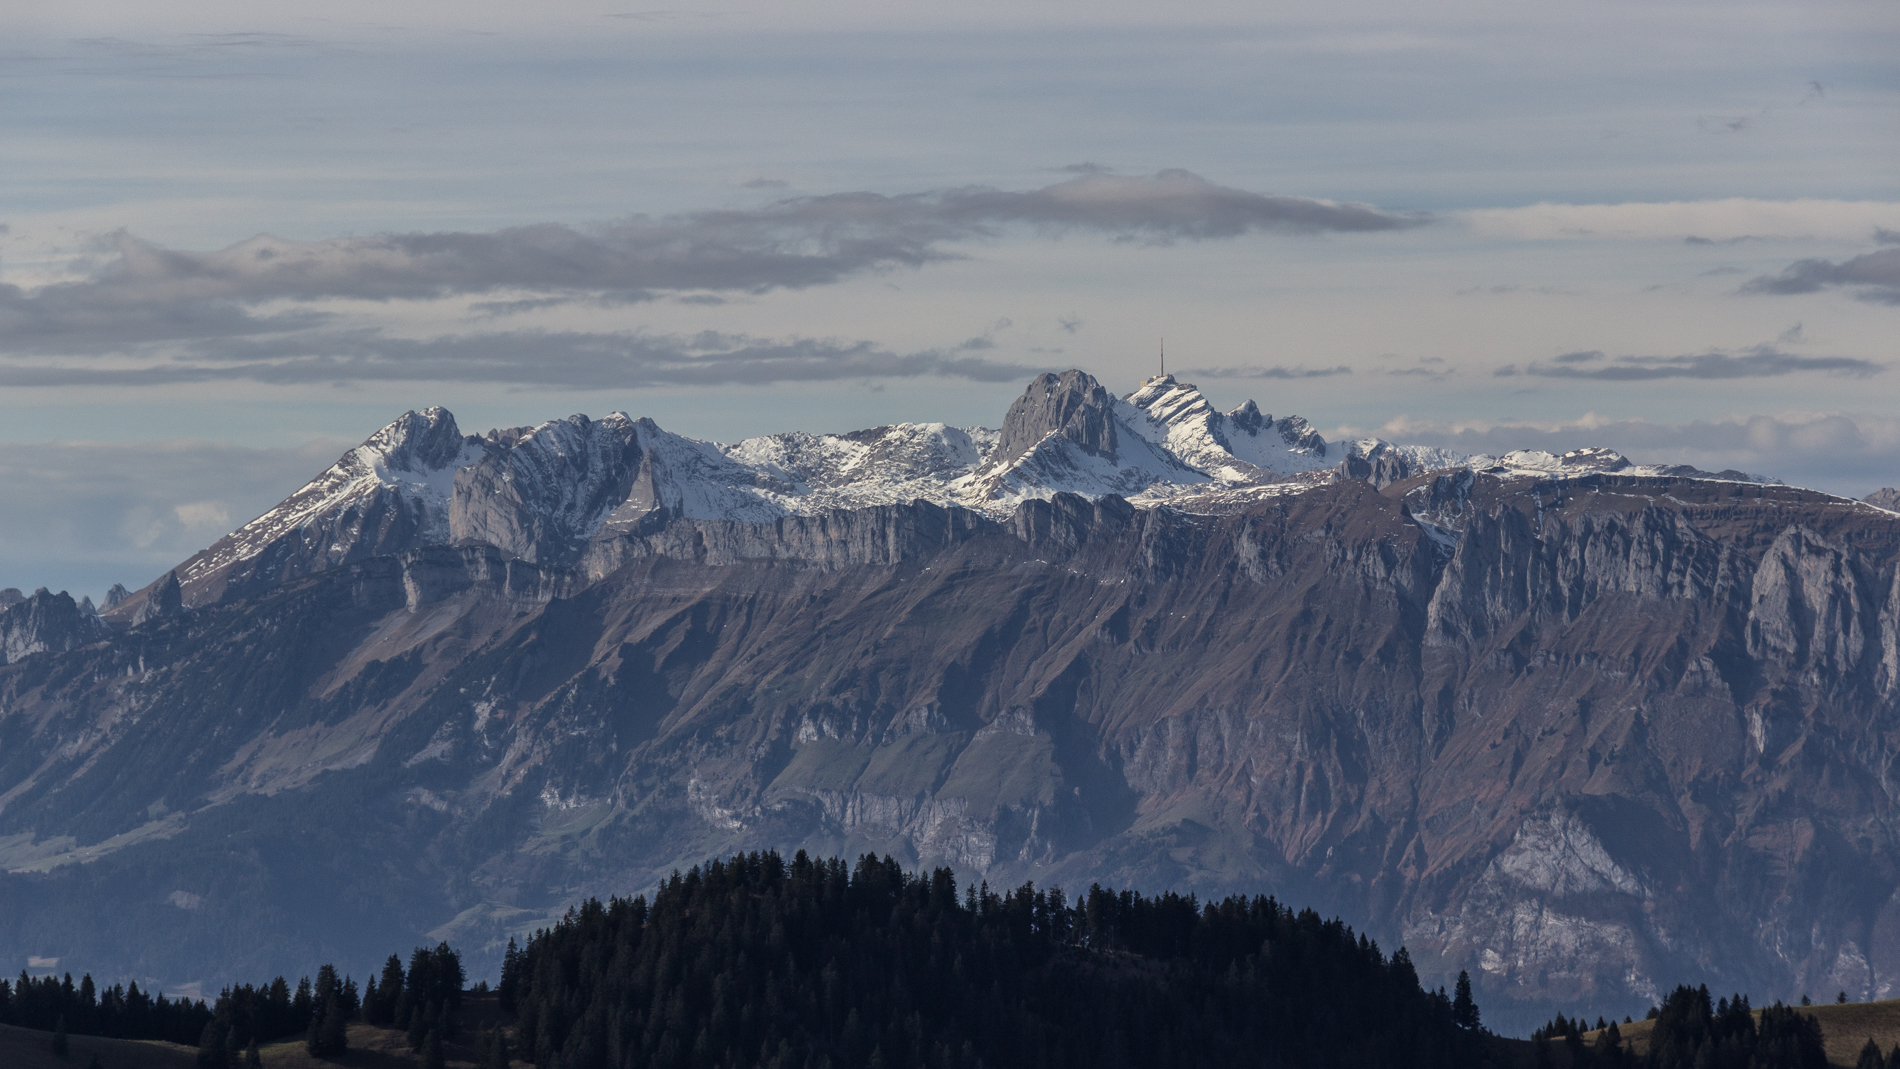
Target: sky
<point x="237" y="238"/>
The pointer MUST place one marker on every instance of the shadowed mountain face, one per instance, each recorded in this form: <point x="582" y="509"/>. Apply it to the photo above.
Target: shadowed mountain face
<point x="1585" y="735"/>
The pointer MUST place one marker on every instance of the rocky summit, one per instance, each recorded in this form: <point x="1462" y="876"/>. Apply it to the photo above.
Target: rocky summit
<point x="1582" y="727"/>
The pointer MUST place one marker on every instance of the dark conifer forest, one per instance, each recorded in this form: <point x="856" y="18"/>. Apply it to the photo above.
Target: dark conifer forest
<point x="120" y="1011"/>
<point x="756" y="962"/>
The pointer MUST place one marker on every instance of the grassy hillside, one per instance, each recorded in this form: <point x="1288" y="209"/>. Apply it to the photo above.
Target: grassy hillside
<point x="23" y="1048"/>
<point x="370" y="1048"/>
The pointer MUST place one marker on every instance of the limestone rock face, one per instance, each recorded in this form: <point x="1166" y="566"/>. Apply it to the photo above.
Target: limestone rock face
<point x="1072" y="405"/>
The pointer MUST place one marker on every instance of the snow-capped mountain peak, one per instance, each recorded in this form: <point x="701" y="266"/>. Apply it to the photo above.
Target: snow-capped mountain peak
<point x="555" y="492"/>
<point x="1240" y="446"/>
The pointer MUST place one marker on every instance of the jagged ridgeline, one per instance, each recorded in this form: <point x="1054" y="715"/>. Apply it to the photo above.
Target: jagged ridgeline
<point x="759" y="962"/>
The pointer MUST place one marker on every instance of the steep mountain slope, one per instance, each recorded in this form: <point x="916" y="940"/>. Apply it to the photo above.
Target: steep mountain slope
<point x="1580" y="727"/>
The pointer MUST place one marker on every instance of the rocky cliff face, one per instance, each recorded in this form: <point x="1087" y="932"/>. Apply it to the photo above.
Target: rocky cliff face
<point x="1582" y="728"/>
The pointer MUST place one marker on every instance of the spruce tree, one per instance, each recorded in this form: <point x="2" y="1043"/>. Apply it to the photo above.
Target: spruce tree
<point x="510" y="976"/>
<point x="421" y="1024"/>
<point x="59" y="1037"/>
<point x="432" y="1051"/>
<point x="1870" y="1057"/>
<point x="327" y="986"/>
<point x="389" y="994"/>
<point x="1464" y="1011"/>
<point x="212" y="1051"/>
<point x="252" y="1058"/>
<point x="301" y="1006"/>
<point x="334" y="1035"/>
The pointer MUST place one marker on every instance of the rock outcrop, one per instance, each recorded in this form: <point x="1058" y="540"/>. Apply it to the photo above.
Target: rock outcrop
<point x="45" y="623"/>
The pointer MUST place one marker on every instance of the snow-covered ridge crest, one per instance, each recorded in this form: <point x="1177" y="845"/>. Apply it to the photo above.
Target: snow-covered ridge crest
<point x="549" y="492"/>
<point x="408" y="466"/>
<point x="1536" y="462"/>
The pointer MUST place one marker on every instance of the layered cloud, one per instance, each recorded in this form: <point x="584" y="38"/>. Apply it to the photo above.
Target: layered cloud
<point x="267" y="309"/>
<point x="146" y="291"/>
<point x="1874" y="276"/>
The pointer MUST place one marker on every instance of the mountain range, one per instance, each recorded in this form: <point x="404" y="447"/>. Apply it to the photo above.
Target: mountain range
<point x="1583" y="727"/>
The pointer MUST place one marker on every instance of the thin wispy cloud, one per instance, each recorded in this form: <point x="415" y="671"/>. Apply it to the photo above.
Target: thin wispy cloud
<point x="1252" y="371"/>
<point x="540" y="359"/>
<point x="1707" y="222"/>
<point x="1761" y="361"/>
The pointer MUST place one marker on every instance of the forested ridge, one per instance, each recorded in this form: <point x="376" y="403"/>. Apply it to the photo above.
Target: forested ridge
<point x="1692" y="1032"/>
<point x="814" y="964"/>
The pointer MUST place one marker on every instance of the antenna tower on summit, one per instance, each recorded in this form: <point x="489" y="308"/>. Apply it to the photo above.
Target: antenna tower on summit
<point x="1164" y="358"/>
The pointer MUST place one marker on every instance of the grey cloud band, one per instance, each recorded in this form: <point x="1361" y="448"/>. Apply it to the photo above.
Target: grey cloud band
<point x="185" y="316"/>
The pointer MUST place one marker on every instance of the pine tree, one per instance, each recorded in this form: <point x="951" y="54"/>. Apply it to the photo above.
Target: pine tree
<point x="1870" y="1057"/>
<point x="252" y="1058"/>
